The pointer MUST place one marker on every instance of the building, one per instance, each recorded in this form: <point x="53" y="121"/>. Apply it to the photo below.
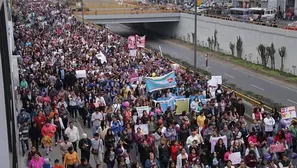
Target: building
<point x="9" y="155"/>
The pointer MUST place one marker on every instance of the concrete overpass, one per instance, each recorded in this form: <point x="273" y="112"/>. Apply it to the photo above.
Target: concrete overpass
<point x="133" y="18"/>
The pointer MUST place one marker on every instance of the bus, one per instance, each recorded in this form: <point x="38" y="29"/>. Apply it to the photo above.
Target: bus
<point x="241" y="14"/>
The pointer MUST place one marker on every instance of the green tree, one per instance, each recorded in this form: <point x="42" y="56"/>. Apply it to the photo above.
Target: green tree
<point x="270" y="52"/>
<point x="215" y="40"/>
<point x="263" y="54"/>
<point x="239" y="48"/>
<point x="232" y="46"/>
<point x="282" y="54"/>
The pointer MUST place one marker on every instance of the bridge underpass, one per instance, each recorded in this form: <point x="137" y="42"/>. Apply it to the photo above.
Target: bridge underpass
<point x="133" y="18"/>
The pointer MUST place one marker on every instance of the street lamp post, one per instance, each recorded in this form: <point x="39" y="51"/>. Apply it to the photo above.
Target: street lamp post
<point x="83" y="16"/>
<point x="195" y="36"/>
<point x="206" y="61"/>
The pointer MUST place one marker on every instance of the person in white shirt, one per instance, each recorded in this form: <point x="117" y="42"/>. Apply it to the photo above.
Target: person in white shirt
<point x="194" y="104"/>
<point x="72" y="133"/>
<point x="96" y="118"/>
<point x="268" y="124"/>
<point x="183" y="156"/>
<point x="194" y="136"/>
<point x="72" y="105"/>
<point x="97" y="149"/>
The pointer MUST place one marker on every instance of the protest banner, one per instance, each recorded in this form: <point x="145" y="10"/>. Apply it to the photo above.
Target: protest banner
<point x="215" y="80"/>
<point x="288" y="112"/>
<point x="101" y="57"/>
<point x="277" y="148"/>
<point x="175" y="66"/>
<point x="235" y="158"/>
<point x="162" y="82"/>
<point x="182" y="105"/>
<point x="141" y="109"/>
<point x="164" y="104"/>
<point x="131" y="42"/>
<point x="81" y="73"/>
<point x="214" y="140"/>
<point x="143" y="127"/>
<point x="140" y="41"/>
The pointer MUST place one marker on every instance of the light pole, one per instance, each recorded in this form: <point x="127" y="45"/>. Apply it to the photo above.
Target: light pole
<point x="83" y="17"/>
<point x="206" y="61"/>
<point x="195" y="36"/>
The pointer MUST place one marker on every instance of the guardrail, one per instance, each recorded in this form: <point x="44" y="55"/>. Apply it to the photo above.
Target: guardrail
<point x="252" y="100"/>
<point x="110" y="12"/>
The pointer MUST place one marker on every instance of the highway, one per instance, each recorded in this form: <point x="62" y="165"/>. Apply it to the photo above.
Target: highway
<point x="249" y="81"/>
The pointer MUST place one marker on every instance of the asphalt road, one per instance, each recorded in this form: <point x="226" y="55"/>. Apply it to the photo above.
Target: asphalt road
<point x="278" y="92"/>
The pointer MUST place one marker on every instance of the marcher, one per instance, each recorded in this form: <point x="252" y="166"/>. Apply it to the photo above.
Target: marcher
<point x="72" y="133"/>
<point x="36" y="162"/>
<point x="71" y="158"/>
<point x="85" y="145"/>
<point x="64" y="146"/>
<point x="48" y="131"/>
<point x="97" y="149"/>
<point x="24" y="137"/>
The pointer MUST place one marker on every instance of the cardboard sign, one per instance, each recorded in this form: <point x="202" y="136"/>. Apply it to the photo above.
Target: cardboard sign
<point x="235" y="158"/>
<point x="143" y="127"/>
<point x="288" y="112"/>
<point x="141" y="109"/>
<point x="277" y="148"/>
<point x="81" y="74"/>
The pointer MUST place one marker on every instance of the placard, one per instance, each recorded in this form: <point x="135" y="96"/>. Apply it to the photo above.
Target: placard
<point x="277" y="148"/>
<point x="81" y="74"/>
<point x="214" y="140"/>
<point x="141" y="109"/>
<point x="235" y="158"/>
<point x="215" y="80"/>
<point x="182" y="105"/>
<point x="288" y="112"/>
<point x="143" y="127"/>
<point x="132" y="53"/>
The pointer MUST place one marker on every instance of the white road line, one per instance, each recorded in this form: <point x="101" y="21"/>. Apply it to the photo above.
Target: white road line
<point x="257" y="87"/>
<point x="206" y="67"/>
<point x="229" y="75"/>
<point x="292" y="101"/>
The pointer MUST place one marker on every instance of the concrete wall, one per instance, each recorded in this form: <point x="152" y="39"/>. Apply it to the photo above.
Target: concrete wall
<point x="228" y="31"/>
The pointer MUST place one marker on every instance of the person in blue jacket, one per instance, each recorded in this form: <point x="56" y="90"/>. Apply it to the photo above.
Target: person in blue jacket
<point x="152" y="162"/>
<point x="24" y="117"/>
<point x="116" y="127"/>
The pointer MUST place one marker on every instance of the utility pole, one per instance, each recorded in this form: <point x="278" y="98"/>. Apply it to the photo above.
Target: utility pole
<point x="206" y="61"/>
<point x="195" y="36"/>
<point x="83" y="17"/>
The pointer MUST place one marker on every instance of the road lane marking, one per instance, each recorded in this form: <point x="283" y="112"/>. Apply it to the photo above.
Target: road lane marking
<point x="292" y="101"/>
<point x="206" y="67"/>
<point x="257" y="87"/>
<point x="229" y="75"/>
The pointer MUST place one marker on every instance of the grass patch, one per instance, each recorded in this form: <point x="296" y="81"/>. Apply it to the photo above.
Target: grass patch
<point x="252" y="66"/>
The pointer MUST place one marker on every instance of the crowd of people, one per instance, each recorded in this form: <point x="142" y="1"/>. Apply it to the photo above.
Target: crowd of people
<point x="54" y="44"/>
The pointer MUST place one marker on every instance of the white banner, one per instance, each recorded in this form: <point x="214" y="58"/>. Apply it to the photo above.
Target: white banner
<point x="81" y="74"/>
<point x="141" y="109"/>
<point x="143" y="127"/>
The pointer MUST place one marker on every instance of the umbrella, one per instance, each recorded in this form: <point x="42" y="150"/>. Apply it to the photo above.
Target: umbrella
<point x="104" y="132"/>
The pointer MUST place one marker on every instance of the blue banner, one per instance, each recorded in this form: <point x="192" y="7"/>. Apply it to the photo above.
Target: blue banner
<point x="166" y="103"/>
<point x="162" y="82"/>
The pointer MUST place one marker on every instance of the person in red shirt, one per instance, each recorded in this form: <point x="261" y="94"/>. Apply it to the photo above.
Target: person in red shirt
<point x="175" y="147"/>
<point x="279" y="137"/>
<point x="40" y="119"/>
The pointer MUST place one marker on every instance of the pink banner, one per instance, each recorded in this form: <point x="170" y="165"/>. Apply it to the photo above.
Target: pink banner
<point x="140" y="41"/>
<point x="277" y="148"/>
<point x="131" y="42"/>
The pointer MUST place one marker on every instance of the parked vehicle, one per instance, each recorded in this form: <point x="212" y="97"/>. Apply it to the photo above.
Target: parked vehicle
<point x="241" y="14"/>
<point x="264" y="13"/>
